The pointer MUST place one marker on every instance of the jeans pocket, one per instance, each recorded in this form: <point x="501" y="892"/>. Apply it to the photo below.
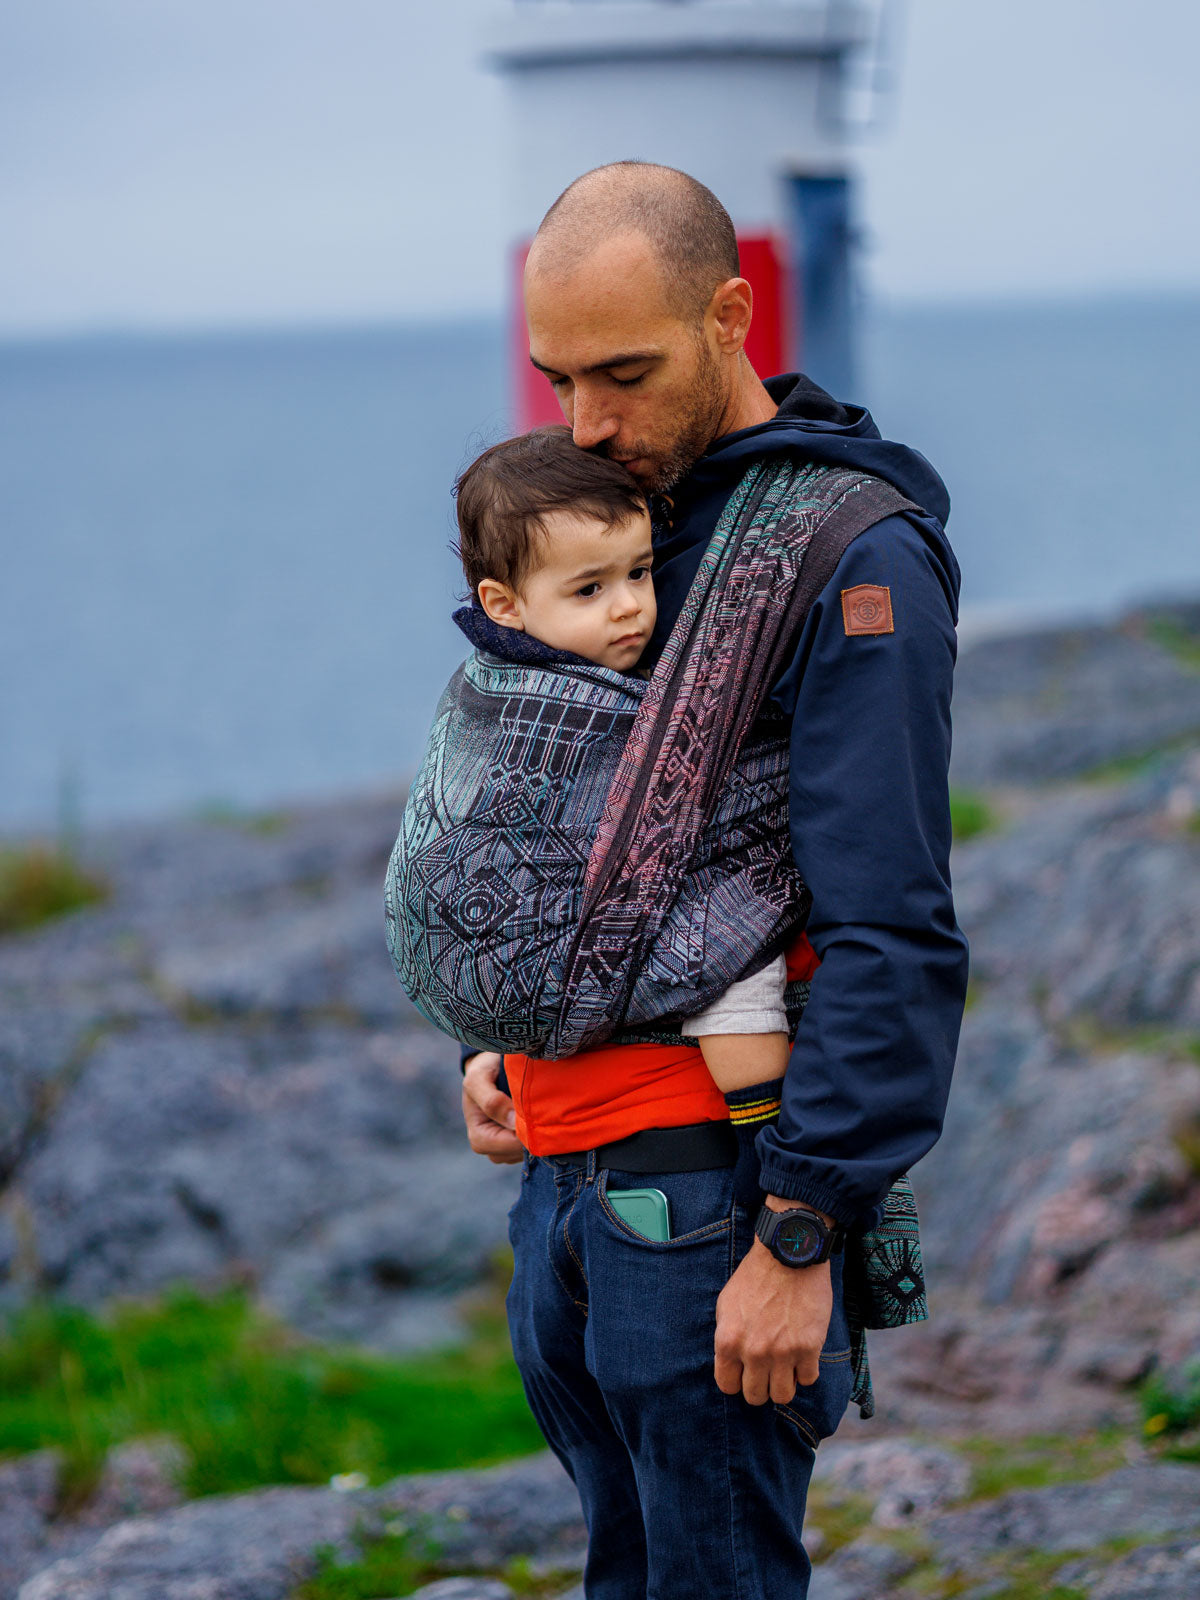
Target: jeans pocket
<point x="816" y="1409"/>
<point x="699" y="1205"/>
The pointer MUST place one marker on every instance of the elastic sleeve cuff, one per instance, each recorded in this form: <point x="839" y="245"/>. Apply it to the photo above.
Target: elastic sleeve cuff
<point x="777" y="1180"/>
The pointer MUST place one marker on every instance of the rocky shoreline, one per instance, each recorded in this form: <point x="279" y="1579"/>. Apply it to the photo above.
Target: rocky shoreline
<point x="214" y="1076"/>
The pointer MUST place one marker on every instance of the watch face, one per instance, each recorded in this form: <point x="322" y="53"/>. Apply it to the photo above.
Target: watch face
<point x="798" y="1240"/>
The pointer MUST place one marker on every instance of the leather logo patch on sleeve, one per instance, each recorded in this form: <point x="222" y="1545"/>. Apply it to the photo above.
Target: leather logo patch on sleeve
<point x="867" y="608"/>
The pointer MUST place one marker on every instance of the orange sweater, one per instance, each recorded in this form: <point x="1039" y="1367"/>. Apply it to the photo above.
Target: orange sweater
<point x="606" y="1094"/>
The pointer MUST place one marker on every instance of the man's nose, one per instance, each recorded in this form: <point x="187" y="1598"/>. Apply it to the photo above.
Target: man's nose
<point x="591" y="422"/>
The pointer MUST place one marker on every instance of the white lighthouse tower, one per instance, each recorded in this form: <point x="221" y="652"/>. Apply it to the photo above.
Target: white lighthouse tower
<point x="750" y="96"/>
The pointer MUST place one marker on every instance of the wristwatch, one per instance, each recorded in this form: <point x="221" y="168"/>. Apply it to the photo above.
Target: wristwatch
<point x="798" y="1237"/>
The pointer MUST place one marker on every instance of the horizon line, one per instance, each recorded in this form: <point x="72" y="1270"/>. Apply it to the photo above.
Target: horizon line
<point x="113" y="331"/>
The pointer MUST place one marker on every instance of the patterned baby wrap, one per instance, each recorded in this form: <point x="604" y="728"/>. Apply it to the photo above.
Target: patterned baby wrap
<point x="486" y="884"/>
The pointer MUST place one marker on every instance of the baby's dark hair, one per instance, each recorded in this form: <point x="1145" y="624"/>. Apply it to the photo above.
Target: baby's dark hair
<point x="506" y="492"/>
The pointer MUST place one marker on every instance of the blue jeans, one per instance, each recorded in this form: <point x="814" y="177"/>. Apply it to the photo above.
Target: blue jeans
<point x="686" y="1492"/>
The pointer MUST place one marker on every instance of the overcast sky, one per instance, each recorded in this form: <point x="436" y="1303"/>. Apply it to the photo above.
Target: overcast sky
<point x="231" y="161"/>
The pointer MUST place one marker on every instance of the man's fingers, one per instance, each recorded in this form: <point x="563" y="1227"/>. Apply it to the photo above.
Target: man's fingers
<point x="479" y="1086"/>
<point x="489" y="1135"/>
<point x="783" y="1384"/>
<point x="808" y="1370"/>
<point x="728" y="1374"/>
<point x="756" y="1382"/>
<point x="486" y="1139"/>
<point x="498" y="1107"/>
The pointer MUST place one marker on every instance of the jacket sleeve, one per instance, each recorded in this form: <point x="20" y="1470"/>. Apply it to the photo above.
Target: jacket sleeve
<point x="868" y="1078"/>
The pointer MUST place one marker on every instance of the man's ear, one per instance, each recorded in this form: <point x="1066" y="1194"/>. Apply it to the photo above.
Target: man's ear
<point x="730" y="311"/>
<point x="500" y="603"/>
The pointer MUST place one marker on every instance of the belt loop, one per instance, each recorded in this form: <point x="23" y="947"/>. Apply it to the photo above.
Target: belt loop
<point x="591" y="1167"/>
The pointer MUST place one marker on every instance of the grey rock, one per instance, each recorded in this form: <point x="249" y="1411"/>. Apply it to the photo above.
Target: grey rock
<point x="1046" y="1153"/>
<point x="464" y="1589"/>
<point x="28" y="1495"/>
<point x="329" y="1168"/>
<point x="253" y="1546"/>
<point x="139" y="1477"/>
<point x="864" y="1570"/>
<point x="558" y="1565"/>
<point x="288" y="960"/>
<point x="484" y="1518"/>
<point x="1155" y="1572"/>
<point x="1142" y="1502"/>
<point x="216" y="1077"/>
<point x="906" y="1480"/>
<point x="1056" y="702"/>
<point x="1090" y="900"/>
<point x="237" y="1547"/>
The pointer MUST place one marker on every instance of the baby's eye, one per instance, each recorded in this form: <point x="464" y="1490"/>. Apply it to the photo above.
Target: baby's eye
<point x="588" y="590"/>
<point x="638" y="573"/>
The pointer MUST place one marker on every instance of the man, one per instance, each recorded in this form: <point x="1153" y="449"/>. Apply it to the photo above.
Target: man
<point x="648" y="1371"/>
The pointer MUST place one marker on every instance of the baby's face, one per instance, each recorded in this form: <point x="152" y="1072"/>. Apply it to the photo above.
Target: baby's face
<point x="592" y="592"/>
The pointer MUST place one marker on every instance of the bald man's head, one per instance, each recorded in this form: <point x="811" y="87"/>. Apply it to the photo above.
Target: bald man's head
<point x="638" y="316"/>
<point x="688" y="229"/>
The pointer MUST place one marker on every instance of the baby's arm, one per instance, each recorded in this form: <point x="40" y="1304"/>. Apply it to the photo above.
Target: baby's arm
<point x="736" y="1060"/>
<point x="743" y="1033"/>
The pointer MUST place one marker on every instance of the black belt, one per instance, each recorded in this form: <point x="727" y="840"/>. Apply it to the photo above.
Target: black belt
<point x="696" y="1148"/>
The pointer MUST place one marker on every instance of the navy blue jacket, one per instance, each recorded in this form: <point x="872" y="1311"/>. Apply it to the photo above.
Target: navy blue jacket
<point x="866" y="1086"/>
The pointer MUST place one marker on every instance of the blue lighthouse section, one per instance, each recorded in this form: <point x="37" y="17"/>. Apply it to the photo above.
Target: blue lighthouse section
<point x="822" y="279"/>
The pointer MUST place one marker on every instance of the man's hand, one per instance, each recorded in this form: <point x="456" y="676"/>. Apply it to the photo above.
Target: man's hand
<point x="771" y="1323"/>
<point x="488" y="1112"/>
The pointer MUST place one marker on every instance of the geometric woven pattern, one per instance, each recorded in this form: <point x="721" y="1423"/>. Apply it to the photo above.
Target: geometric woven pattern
<point x="884" y="1282"/>
<point x="485" y="883"/>
<point x="736" y="631"/>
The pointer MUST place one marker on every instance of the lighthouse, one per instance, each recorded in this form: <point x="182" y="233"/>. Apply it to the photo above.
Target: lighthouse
<point x="753" y="97"/>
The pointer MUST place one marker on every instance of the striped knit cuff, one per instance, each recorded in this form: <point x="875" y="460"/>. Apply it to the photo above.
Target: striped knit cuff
<point x="755" y="1104"/>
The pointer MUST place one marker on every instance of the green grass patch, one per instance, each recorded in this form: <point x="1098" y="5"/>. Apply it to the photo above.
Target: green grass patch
<point x="1088" y="1034"/>
<point x="523" y="1580"/>
<point x="1171" y="636"/>
<point x="1186" y="1138"/>
<point x="222" y="814"/>
<point x="840" y="1515"/>
<point x="1000" y="1465"/>
<point x="1171" y="1411"/>
<point x="970" y="815"/>
<point x="40" y="882"/>
<point x="251" y="1401"/>
<point x="1124" y="769"/>
<point x="393" y="1565"/>
<point x="400" y="1562"/>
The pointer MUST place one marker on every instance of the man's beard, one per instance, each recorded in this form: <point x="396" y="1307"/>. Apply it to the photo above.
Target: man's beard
<point x="695" y="430"/>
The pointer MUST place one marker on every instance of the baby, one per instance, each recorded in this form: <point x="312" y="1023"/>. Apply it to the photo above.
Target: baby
<point x="555" y="543"/>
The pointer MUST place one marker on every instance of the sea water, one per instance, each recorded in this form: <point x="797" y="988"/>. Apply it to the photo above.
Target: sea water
<point x="225" y="565"/>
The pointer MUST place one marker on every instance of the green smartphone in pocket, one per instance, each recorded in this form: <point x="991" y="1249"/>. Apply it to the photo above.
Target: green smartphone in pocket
<point x="645" y="1210"/>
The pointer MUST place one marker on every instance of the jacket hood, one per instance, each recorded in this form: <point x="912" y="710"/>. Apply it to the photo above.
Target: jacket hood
<point x="829" y="433"/>
<point x="511" y="644"/>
